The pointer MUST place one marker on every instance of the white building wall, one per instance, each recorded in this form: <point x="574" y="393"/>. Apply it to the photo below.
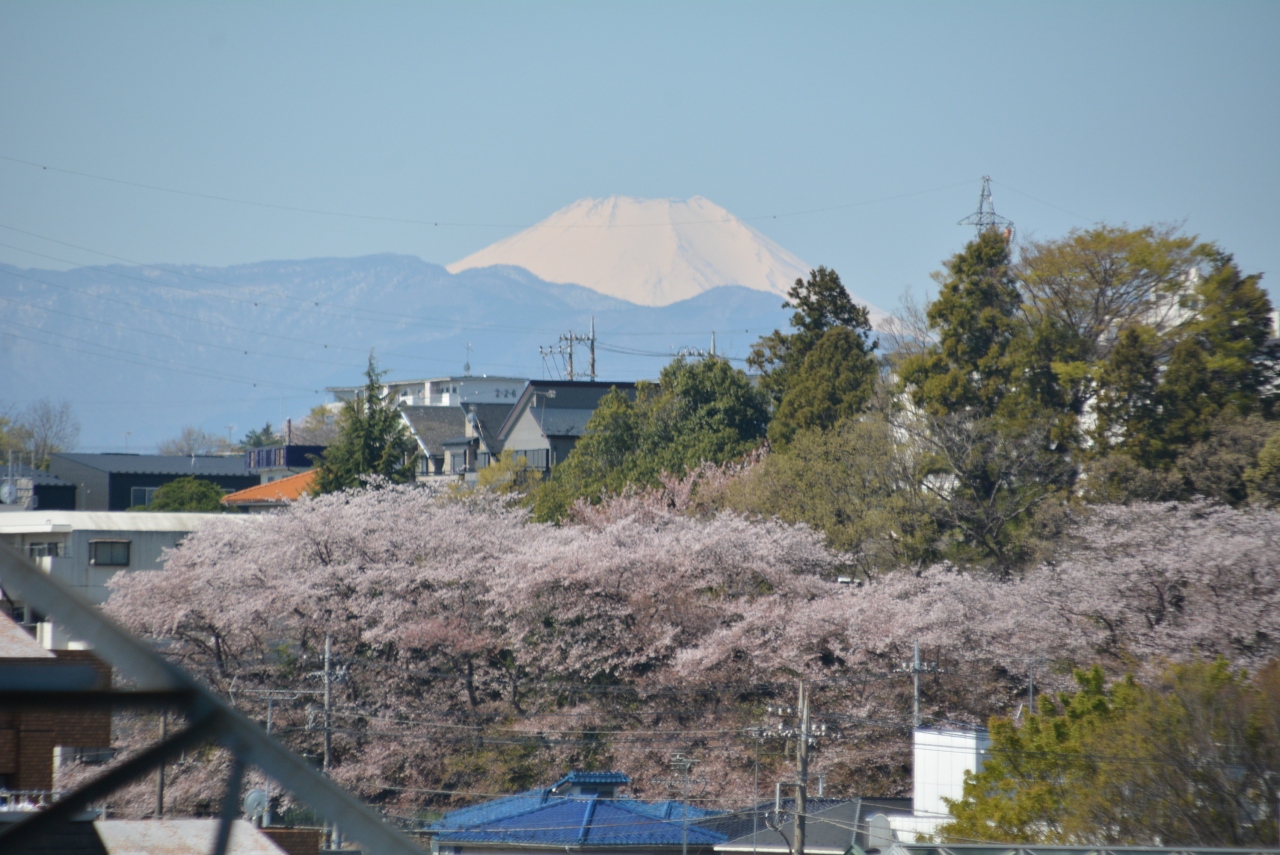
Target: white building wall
<point x="941" y="758"/>
<point x="149" y="535"/>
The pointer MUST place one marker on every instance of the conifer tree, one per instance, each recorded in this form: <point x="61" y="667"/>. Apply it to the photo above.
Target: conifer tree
<point x="372" y="440"/>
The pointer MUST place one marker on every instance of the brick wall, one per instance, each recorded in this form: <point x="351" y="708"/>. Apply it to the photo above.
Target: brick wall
<point x="295" y="841"/>
<point x="29" y="734"/>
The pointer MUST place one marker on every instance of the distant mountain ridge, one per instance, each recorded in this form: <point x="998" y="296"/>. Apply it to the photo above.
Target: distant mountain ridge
<point x="147" y="350"/>
<point x="653" y="252"/>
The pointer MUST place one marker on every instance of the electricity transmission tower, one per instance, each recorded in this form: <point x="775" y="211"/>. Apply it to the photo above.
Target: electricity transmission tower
<point x="986" y="217"/>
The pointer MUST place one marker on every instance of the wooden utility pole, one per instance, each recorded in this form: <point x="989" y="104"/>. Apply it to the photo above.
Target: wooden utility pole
<point x="802" y="769"/>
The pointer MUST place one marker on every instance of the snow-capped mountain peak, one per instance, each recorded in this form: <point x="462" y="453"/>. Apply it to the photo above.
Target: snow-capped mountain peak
<point x="648" y="251"/>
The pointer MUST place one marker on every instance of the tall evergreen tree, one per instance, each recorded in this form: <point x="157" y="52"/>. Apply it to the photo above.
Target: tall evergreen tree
<point x="822" y="303"/>
<point x="976" y="320"/>
<point x="372" y="440"/>
<point x="834" y="382"/>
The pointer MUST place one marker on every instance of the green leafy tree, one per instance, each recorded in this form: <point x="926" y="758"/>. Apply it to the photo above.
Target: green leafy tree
<point x="372" y="440"/>
<point x="509" y="475"/>
<point x="13" y="436"/>
<point x="856" y="483"/>
<point x="263" y="437"/>
<point x="822" y="304"/>
<point x="1264" y="478"/>
<point x="700" y="411"/>
<point x="834" y="382"/>
<point x="188" y="494"/>
<point x="1185" y="760"/>
<point x="1023" y="794"/>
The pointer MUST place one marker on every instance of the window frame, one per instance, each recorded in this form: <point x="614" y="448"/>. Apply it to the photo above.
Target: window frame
<point x="113" y="545"/>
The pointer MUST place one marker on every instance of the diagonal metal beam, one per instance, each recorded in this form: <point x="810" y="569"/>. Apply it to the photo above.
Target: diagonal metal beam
<point x="23" y="580"/>
<point x="66" y="807"/>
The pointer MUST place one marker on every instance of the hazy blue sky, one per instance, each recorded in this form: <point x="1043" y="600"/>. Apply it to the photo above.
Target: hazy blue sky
<point x="486" y="117"/>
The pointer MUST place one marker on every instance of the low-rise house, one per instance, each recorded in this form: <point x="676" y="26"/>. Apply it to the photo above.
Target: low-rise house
<point x="26" y="488"/>
<point x="275" y="462"/>
<point x="272" y="495"/>
<point x="548" y="419"/>
<point x="34" y="740"/>
<point x="86" y="548"/>
<point x="832" y="826"/>
<point x="432" y="427"/>
<point x="118" y="482"/>
<point x="580" y="812"/>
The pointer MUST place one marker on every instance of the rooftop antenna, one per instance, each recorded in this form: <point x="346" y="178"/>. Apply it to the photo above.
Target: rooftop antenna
<point x="986" y="217"/>
<point x="466" y="366"/>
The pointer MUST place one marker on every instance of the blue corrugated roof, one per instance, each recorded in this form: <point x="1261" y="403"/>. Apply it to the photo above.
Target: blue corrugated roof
<point x="489" y="811"/>
<point x="577" y="777"/>
<point x="576" y="821"/>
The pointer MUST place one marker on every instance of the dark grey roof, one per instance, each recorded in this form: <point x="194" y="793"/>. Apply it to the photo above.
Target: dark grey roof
<point x="560" y="407"/>
<point x="158" y="464"/>
<point x="830" y="827"/>
<point x="491" y="417"/>
<point x="38" y="476"/>
<point x="562" y="422"/>
<point x="431" y="426"/>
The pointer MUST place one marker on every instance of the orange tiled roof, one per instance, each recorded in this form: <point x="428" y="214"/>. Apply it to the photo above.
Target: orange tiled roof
<point x="277" y="492"/>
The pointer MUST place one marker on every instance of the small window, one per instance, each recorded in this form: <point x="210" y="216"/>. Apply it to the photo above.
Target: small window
<point x="46" y="550"/>
<point x="140" y="497"/>
<point x="109" y="553"/>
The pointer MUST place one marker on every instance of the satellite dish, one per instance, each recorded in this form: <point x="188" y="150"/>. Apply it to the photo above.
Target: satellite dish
<point x="255" y="804"/>
<point x="8" y="492"/>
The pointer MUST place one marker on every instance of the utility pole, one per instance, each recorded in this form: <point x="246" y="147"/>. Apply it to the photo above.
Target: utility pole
<point x="802" y="769"/>
<point x="1031" y="686"/>
<point x="565" y="348"/>
<point x="682" y="763"/>
<point x="916" y="669"/>
<point x="915" y="683"/>
<point x="164" y="734"/>
<point x="328" y="720"/>
<point x="328" y="701"/>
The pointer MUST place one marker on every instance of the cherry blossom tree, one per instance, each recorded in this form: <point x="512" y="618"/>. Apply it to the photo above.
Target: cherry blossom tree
<point x="477" y="651"/>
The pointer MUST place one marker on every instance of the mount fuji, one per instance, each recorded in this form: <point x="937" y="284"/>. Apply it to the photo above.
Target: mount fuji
<point x="653" y="252"/>
<point x="142" y="351"/>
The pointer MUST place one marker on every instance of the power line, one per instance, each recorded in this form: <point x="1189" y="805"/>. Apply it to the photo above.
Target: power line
<point x="455" y="224"/>
<point x="170" y="367"/>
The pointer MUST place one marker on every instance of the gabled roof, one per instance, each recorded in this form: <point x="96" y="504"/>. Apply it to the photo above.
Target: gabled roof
<point x="159" y="464"/>
<point x="431" y="426"/>
<point x="280" y="492"/>
<point x="560" y="407"/>
<point x="590" y="821"/>
<point x="489" y="419"/>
